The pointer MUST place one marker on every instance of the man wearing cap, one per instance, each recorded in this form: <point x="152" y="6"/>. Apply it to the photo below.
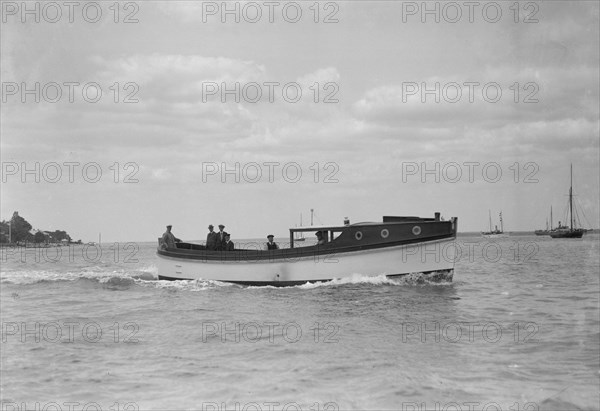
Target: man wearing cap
<point x="211" y="239"/>
<point x="168" y="240"/>
<point x="228" y="245"/>
<point x="271" y="245"/>
<point x="221" y="238"/>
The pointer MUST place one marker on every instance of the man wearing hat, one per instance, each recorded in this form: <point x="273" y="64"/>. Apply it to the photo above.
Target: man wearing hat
<point x="211" y="238"/>
<point x="271" y="245"/>
<point x="228" y="244"/>
<point x="168" y="240"/>
<point x="221" y="237"/>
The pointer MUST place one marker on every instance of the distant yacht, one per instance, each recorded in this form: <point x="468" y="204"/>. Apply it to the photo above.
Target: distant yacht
<point x="495" y="233"/>
<point x="548" y="227"/>
<point x="563" y="231"/>
<point x="300" y="234"/>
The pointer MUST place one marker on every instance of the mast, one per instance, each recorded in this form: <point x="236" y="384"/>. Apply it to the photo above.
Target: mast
<point x="501" y="224"/>
<point x="551" y="222"/>
<point x="490" y="212"/>
<point x="311" y="217"/>
<point x="571" y="197"/>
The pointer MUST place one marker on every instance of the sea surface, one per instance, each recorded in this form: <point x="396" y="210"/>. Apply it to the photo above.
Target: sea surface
<point x="517" y="329"/>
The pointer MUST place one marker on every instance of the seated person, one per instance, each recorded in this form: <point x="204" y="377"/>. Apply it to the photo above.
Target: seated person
<point x="271" y="245"/>
<point x="320" y="238"/>
<point x="228" y="245"/>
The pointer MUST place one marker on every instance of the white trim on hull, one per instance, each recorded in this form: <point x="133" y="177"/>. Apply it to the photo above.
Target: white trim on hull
<point x="422" y="257"/>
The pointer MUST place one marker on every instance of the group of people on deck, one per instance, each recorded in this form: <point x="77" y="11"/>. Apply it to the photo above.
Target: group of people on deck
<point x="221" y="240"/>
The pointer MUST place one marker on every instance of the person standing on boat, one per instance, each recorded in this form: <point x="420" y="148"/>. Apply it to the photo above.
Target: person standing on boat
<point x="221" y="238"/>
<point x="271" y="245"/>
<point x="168" y="239"/>
<point x="211" y="238"/>
<point x="228" y="244"/>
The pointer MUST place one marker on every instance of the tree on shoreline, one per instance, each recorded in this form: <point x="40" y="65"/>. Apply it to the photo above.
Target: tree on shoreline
<point x="20" y="230"/>
<point x="39" y="237"/>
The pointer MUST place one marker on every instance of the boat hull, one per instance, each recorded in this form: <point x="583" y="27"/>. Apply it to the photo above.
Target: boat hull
<point x="575" y="233"/>
<point x="434" y="258"/>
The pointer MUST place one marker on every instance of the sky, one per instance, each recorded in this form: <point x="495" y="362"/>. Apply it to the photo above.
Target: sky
<point x="120" y="120"/>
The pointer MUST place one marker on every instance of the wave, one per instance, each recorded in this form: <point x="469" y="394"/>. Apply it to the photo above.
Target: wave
<point x="436" y="278"/>
<point x="94" y="273"/>
<point x="185" y="285"/>
<point x="147" y="277"/>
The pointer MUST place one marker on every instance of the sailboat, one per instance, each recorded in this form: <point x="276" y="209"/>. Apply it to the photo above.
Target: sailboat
<point x="548" y="227"/>
<point x="568" y="231"/>
<point x="495" y="233"/>
<point x="300" y="236"/>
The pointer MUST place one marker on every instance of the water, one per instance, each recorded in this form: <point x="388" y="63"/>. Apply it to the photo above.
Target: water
<point x="517" y="330"/>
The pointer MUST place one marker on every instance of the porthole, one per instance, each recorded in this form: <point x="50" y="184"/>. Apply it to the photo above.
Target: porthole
<point x="416" y="230"/>
<point x="358" y="235"/>
<point x="385" y="233"/>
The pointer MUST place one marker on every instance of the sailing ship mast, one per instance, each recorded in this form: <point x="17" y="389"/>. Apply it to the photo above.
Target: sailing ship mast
<point x="300" y="235"/>
<point x="570" y="231"/>
<point x="501" y="224"/>
<point x="571" y="197"/>
<point x="490" y="212"/>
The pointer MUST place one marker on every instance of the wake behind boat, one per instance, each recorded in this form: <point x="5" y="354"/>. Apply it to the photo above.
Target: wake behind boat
<point x="395" y="247"/>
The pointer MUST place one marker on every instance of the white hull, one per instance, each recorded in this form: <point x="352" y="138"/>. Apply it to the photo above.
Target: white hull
<point x="424" y="257"/>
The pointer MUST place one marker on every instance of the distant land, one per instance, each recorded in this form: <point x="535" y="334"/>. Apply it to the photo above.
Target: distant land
<point x="18" y="230"/>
